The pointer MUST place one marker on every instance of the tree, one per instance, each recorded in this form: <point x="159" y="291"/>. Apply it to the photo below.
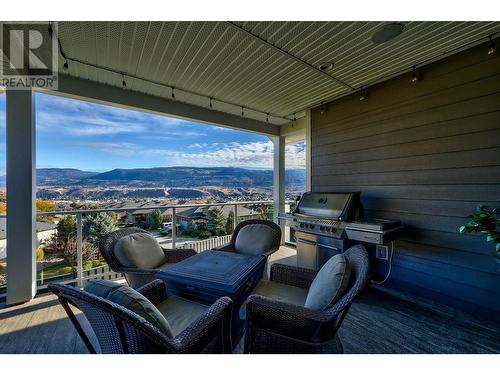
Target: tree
<point x="70" y="251"/>
<point x="154" y="219"/>
<point x="43" y="205"/>
<point x="66" y="227"/>
<point x="216" y="221"/>
<point x="95" y="225"/>
<point x="3" y="202"/>
<point x="265" y="212"/>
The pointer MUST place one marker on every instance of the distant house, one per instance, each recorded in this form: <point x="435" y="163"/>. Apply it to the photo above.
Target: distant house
<point x="189" y="217"/>
<point x="137" y="215"/>
<point x="45" y="229"/>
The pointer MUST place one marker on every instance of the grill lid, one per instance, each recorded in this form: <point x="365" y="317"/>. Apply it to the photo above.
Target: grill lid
<point x="335" y="206"/>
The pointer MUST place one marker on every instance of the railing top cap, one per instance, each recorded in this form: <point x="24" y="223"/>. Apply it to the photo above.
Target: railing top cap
<point x="148" y="208"/>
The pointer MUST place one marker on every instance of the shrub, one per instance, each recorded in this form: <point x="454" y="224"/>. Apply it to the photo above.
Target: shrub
<point x="163" y="233"/>
<point x="87" y="265"/>
<point x="96" y="263"/>
<point x="40" y="254"/>
<point x="65" y="270"/>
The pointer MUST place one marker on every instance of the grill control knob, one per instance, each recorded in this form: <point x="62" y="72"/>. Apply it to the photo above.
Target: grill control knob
<point x="322" y="228"/>
<point x="311" y="226"/>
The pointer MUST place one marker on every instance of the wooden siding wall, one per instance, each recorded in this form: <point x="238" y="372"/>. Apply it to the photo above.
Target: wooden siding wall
<point x="425" y="153"/>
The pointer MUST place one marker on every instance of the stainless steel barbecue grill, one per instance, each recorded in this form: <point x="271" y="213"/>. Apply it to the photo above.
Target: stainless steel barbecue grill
<point x="326" y="224"/>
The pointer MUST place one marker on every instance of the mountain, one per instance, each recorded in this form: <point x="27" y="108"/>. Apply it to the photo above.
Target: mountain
<point x="189" y="177"/>
<point x="60" y="176"/>
<point x="176" y="177"/>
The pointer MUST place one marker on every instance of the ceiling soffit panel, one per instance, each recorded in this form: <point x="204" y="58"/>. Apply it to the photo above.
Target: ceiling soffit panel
<point x="268" y="66"/>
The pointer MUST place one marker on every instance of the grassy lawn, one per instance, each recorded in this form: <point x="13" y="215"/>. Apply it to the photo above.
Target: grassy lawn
<point x="64" y="268"/>
<point x="55" y="270"/>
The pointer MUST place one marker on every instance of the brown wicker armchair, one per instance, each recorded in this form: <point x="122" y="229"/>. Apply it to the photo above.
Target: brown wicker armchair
<point x="136" y="277"/>
<point x="278" y="327"/>
<point x="121" y="331"/>
<point x="269" y="229"/>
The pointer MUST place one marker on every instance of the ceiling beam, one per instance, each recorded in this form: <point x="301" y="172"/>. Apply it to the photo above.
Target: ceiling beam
<point x="291" y="56"/>
<point x="110" y="95"/>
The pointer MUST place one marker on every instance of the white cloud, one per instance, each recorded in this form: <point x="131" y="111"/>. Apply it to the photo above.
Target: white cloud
<point x="251" y="154"/>
<point x="122" y="149"/>
<point x="79" y="118"/>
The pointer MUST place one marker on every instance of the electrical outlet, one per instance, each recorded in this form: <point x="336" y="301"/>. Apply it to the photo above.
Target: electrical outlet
<point x="382" y="252"/>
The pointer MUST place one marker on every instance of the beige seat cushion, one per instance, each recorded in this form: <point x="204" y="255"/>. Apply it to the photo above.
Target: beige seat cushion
<point x="180" y="312"/>
<point x="139" y="250"/>
<point x="132" y="300"/>
<point x="331" y="282"/>
<point x="254" y="239"/>
<point x="281" y="292"/>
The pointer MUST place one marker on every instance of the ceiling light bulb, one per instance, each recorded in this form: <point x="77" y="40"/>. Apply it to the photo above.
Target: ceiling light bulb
<point x="362" y="95"/>
<point x="414" y="75"/>
<point x="491" y="48"/>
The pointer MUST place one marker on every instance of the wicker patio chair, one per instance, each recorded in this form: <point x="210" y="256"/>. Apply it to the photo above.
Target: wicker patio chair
<point x="121" y="331"/>
<point x="278" y="327"/>
<point x="265" y="231"/>
<point x="136" y="277"/>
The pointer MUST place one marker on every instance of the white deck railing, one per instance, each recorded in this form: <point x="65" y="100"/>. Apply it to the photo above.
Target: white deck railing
<point x="104" y="271"/>
<point x="207" y="244"/>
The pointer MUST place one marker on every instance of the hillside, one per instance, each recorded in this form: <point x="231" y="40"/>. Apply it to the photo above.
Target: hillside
<point x="177" y="177"/>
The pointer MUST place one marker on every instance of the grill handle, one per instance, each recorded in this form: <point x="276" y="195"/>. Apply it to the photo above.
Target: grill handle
<point x="308" y="242"/>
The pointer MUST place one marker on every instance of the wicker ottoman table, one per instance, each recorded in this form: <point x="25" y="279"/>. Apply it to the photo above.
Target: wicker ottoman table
<point x="207" y="276"/>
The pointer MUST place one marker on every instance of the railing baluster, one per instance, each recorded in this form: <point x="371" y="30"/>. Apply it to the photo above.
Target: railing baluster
<point x="235" y="220"/>
<point x="174" y="228"/>
<point x="79" y="253"/>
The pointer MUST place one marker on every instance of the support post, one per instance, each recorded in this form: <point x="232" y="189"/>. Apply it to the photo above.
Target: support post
<point x="79" y="249"/>
<point x="174" y="228"/>
<point x="308" y="150"/>
<point x="21" y="189"/>
<point x="278" y="177"/>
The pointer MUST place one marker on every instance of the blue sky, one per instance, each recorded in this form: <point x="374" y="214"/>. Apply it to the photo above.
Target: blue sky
<point x="88" y="136"/>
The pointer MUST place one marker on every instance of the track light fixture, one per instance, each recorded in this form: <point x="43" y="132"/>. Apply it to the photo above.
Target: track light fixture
<point x="414" y="75"/>
<point x="173" y="93"/>
<point x="362" y="94"/>
<point x="491" y="47"/>
<point x="242" y="111"/>
<point x="322" y="109"/>
<point x="267" y="117"/>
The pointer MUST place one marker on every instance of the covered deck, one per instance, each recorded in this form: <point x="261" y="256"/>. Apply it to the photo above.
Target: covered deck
<point x="412" y="122"/>
<point x="379" y="322"/>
